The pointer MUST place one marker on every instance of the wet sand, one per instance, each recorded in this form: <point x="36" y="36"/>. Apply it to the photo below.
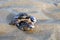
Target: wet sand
<point x="46" y="12"/>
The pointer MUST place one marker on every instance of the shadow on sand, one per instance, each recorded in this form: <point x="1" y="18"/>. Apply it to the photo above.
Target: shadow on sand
<point x="10" y="17"/>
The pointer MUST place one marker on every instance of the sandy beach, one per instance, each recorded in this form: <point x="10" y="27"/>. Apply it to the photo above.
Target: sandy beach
<point x="47" y="13"/>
